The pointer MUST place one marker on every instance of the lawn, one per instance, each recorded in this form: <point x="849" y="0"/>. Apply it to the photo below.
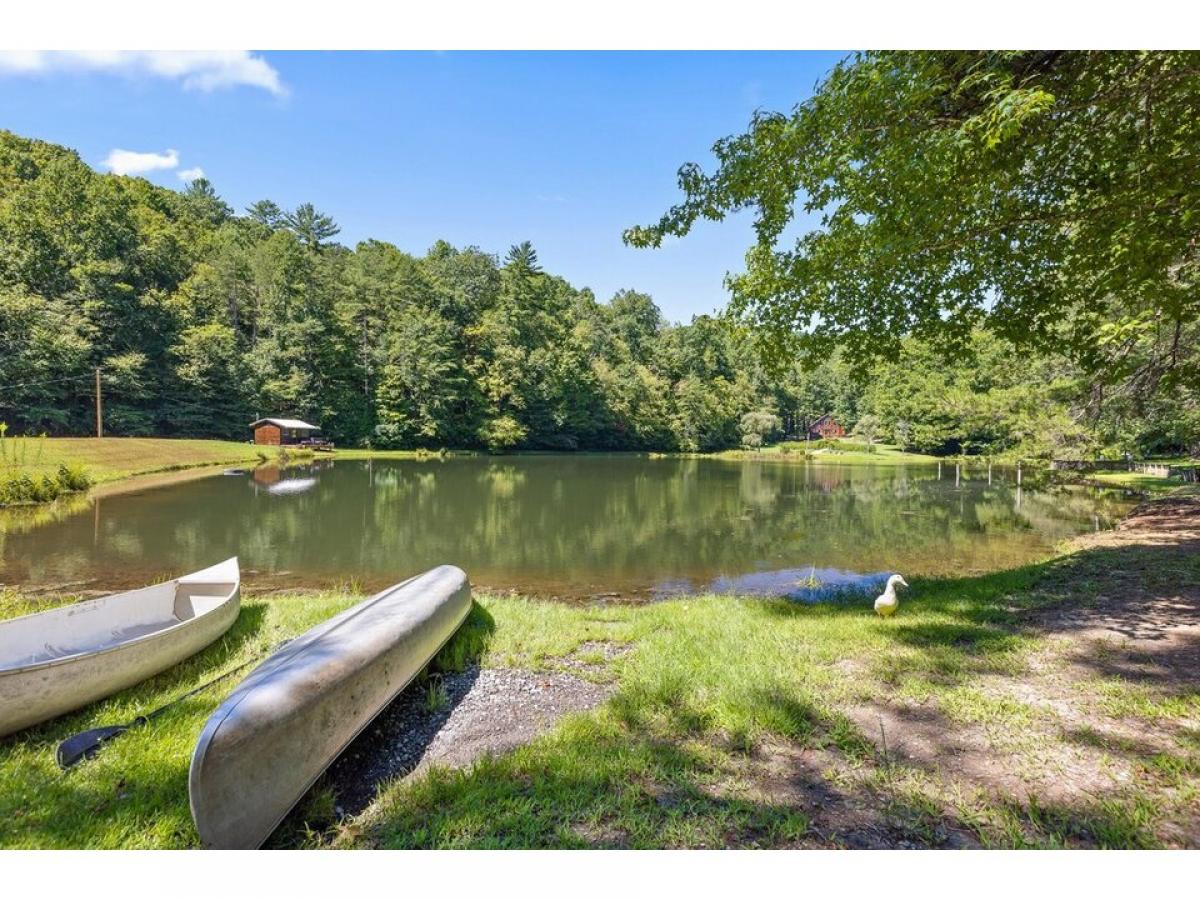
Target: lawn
<point x="134" y="794"/>
<point x="1150" y="484"/>
<point x="113" y="458"/>
<point x="361" y="453"/>
<point x="794" y="451"/>
<point x="974" y="718"/>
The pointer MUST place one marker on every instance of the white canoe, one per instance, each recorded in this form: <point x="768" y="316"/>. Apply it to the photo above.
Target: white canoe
<point x="59" y="660"/>
<point x="266" y="744"/>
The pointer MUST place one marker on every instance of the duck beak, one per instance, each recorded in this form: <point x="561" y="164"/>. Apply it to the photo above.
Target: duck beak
<point x="902" y="582"/>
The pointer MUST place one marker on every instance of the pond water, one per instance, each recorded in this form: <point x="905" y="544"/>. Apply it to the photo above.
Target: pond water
<point x="563" y="526"/>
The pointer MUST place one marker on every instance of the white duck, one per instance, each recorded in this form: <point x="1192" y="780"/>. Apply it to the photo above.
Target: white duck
<point x="887" y="603"/>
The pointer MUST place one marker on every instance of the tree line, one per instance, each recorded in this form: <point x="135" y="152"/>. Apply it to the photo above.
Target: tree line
<point x="202" y="319"/>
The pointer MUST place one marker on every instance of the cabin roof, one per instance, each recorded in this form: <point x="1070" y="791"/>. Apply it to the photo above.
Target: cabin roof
<point x="286" y="423"/>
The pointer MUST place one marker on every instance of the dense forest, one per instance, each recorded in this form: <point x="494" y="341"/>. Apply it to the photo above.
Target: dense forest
<point x="201" y="319"/>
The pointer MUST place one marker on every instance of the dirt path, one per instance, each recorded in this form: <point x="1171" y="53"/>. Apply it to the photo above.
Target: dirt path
<point x="1102" y="718"/>
<point x="1144" y="600"/>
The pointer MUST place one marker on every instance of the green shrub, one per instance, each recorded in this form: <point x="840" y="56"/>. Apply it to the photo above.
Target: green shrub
<point x="502" y="434"/>
<point x="844" y="446"/>
<point x="21" y="487"/>
<point x="73" y="477"/>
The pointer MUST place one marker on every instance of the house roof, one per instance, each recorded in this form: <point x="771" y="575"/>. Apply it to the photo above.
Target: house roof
<point x="286" y="423"/>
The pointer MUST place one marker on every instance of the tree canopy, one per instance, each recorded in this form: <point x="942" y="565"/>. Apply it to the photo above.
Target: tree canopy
<point x="1049" y="196"/>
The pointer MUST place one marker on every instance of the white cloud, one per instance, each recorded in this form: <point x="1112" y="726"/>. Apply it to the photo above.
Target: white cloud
<point x="190" y="174"/>
<point x="131" y="162"/>
<point x="202" y="70"/>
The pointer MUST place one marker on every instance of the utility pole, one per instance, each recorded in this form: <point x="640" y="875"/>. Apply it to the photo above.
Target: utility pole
<point x="99" y="407"/>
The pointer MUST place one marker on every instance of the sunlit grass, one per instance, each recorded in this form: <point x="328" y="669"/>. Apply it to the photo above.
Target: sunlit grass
<point x="134" y="794"/>
<point x="1151" y="484"/>
<point x="1122" y="698"/>
<point x="113" y="458"/>
<point x="795" y="451"/>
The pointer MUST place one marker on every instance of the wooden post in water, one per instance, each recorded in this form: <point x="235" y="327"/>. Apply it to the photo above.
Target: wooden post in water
<point x="1018" y="473"/>
<point x="939" y="470"/>
<point x="957" y="474"/>
<point x="989" y="471"/>
<point x="99" y="407"/>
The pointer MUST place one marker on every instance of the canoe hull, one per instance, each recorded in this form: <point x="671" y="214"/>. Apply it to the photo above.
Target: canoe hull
<point x="47" y="688"/>
<point x="266" y="744"/>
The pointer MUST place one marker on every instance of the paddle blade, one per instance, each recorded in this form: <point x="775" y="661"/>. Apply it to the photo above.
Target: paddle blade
<point x="85" y="744"/>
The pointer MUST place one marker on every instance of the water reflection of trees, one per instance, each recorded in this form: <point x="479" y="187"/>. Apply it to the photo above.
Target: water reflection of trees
<point x="615" y="523"/>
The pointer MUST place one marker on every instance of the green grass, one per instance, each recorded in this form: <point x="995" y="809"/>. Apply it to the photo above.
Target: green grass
<point x="883" y="455"/>
<point x="134" y="794"/>
<point x="111" y="459"/>
<point x="1151" y="484"/>
<point x="713" y="681"/>
<point x="359" y="453"/>
<point x="709" y="690"/>
<point x="1123" y="698"/>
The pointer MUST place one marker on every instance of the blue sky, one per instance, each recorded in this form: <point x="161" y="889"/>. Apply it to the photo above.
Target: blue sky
<point x="563" y="149"/>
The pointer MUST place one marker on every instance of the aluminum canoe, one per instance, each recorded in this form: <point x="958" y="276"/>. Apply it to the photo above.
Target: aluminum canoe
<point x="274" y="735"/>
<point x="59" y="660"/>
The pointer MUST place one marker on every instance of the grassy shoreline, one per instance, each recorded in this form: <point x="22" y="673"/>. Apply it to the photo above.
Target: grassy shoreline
<point x="735" y="722"/>
<point x="1150" y="485"/>
<point x="117" y="458"/>
<point x="881" y="455"/>
<point x="113" y="459"/>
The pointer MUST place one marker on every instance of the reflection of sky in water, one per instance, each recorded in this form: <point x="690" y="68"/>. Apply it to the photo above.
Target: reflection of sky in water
<point x="291" y="486"/>
<point x="809" y="584"/>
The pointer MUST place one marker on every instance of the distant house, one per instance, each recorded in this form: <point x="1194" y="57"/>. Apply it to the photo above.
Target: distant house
<point x="825" y="428"/>
<point x="278" y="432"/>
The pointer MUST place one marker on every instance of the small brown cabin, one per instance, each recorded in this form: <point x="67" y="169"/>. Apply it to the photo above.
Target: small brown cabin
<point x="277" y="432"/>
<point x="825" y="428"/>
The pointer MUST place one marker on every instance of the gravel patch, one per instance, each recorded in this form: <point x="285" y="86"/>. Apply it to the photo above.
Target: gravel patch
<point x="480" y="712"/>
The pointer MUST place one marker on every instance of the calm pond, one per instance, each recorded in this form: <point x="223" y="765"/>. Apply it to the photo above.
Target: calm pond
<point x="565" y="526"/>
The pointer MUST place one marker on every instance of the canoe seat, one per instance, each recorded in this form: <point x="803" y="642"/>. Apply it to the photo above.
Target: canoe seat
<point x="193" y="600"/>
